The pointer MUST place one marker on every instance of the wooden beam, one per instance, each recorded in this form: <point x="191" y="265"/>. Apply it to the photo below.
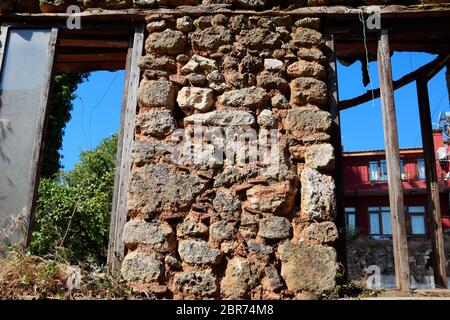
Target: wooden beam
<point x="116" y="248"/>
<point x="399" y="240"/>
<point x="112" y="260"/>
<point x="97" y="57"/>
<point x="433" y="202"/>
<point x="428" y="70"/>
<point x="93" y="43"/>
<point x="341" y="244"/>
<point x="99" y="14"/>
<point x="89" y="67"/>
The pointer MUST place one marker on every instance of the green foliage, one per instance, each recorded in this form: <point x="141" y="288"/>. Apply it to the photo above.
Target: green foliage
<point x="351" y="233"/>
<point x="73" y="209"/>
<point x="60" y="105"/>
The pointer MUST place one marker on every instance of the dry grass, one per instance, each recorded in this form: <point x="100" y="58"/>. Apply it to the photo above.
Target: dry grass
<point x="23" y="276"/>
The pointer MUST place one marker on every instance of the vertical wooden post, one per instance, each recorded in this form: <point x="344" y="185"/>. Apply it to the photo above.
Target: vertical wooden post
<point x="333" y="98"/>
<point x="433" y="204"/>
<point x="116" y="248"/>
<point x="399" y="240"/>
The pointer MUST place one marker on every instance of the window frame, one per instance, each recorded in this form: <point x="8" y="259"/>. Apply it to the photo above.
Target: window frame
<point x="380" y="164"/>
<point x="348" y="212"/>
<point x="42" y="116"/>
<point x="134" y="51"/>
<point x="382" y="174"/>
<point x="379" y="210"/>
<point x="409" y="216"/>
<point x="419" y="177"/>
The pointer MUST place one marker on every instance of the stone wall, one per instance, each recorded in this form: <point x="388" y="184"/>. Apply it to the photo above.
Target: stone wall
<point x="364" y="253"/>
<point x="218" y="222"/>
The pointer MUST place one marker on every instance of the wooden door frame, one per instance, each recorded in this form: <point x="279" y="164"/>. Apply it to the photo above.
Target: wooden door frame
<point x="116" y="249"/>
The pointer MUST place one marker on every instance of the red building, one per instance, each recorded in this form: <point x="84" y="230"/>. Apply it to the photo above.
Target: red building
<point x="366" y="190"/>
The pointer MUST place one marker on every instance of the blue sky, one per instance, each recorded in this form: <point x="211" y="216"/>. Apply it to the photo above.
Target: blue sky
<point x="361" y="126"/>
<point x="95" y="116"/>
<point x="96" y="112"/>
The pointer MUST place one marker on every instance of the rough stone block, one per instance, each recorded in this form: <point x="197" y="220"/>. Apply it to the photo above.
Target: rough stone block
<point x="308" y="90"/>
<point x="141" y="266"/>
<point x="274" y="228"/>
<point x="252" y="4"/>
<point x="273" y="65"/>
<point x="311" y="54"/>
<point x="199" y="64"/>
<point x="308" y="22"/>
<point x="150" y="62"/>
<point x="158" y="123"/>
<point x="210" y="39"/>
<point x="305" y="37"/>
<point x="320" y="233"/>
<point x="156" y="94"/>
<point x="267" y="119"/>
<point x="170" y="42"/>
<point x="260" y="248"/>
<point x="222" y="230"/>
<point x="198" y="252"/>
<point x="145" y="152"/>
<point x="184" y="24"/>
<point x="270" y="81"/>
<point x="277" y="198"/>
<point x="302" y="122"/>
<point x="227" y="205"/>
<point x="168" y="190"/>
<point x="156" y="234"/>
<point x="260" y="38"/>
<point x="223" y="118"/>
<point x="318" y="200"/>
<point x="251" y="98"/>
<point x="191" y="228"/>
<point x="274" y="278"/>
<point x="316" y="156"/>
<point x="196" y="283"/>
<point x="241" y="276"/>
<point x="279" y="101"/>
<point x="304" y="68"/>
<point x="308" y="268"/>
<point x="192" y="98"/>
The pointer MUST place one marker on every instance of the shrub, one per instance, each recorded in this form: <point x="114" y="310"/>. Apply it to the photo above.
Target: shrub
<point x="73" y="209"/>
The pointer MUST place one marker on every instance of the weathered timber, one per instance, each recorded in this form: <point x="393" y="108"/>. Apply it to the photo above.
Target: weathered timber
<point x="333" y="99"/>
<point x="400" y="245"/>
<point x="119" y="215"/>
<point x="433" y="202"/>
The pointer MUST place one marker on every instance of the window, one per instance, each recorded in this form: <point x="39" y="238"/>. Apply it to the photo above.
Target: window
<point x="380" y="222"/>
<point x="26" y="61"/>
<point x="29" y="59"/>
<point x="416" y="215"/>
<point x="421" y="169"/>
<point x="378" y="170"/>
<point x="350" y="218"/>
